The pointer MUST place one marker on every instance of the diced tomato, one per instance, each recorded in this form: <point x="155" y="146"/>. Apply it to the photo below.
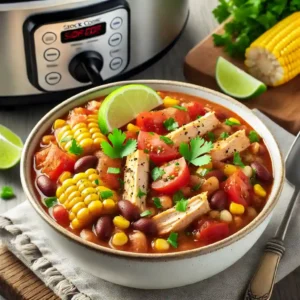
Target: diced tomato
<point x="110" y="180"/>
<point x="176" y="175"/>
<point x="195" y="109"/>
<point x="158" y="150"/>
<point x="212" y="231"/>
<point x="61" y="215"/>
<point x="239" y="189"/>
<point x="131" y="135"/>
<point x="53" y="161"/>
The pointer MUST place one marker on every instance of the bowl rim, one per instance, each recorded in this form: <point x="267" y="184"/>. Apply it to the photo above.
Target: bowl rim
<point x="147" y="256"/>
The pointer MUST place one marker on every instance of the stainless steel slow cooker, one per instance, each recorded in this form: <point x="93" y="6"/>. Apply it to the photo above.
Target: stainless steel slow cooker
<point x="51" y="49"/>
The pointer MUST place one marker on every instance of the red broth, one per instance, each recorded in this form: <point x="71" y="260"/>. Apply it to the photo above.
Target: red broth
<point x="220" y="221"/>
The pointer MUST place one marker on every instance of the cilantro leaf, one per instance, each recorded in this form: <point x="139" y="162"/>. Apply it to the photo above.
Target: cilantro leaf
<point x="97" y="181"/>
<point x="170" y="124"/>
<point x="157" y="173"/>
<point x="222" y="12"/>
<point x="106" y="194"/>
<point x="237" y="160"/>
<point x="117" y="148"/>
<point x="231" y="123"/>
<point x="166" y="140"/>
<point x="146" y="213"/>
<point x="111" y="170"/>
<point x="172" y="239"/>
<point x="178" y="196"/>
<point x="181" y="205"/>
<point x="141" y="194"/>
<point x="224" y="135"/>
<point x="50" y="201"/>
<point x="253" y="136"/>
<point x="253" y="179"/>
<point x="157" y="202"/>
<point x="75" y="149"/>
<point x="7" y="192"/>
<point x="193" y="153"/>
<point x="121" y="182"/>
<point x="211" y="136"/>
<point x="180" y="107"/>
<point x="197" y="187"/>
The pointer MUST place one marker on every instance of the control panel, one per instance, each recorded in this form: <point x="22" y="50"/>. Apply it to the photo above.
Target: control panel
<point x="55" y="47"/>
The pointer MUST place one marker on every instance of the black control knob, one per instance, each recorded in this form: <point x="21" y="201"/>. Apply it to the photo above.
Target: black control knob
<point x="86" y="67"/>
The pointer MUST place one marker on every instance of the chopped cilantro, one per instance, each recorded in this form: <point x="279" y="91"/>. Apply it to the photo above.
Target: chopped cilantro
<point x="231" y="123"/>
<point x="224" y="135"/>
<point x="157" y="202"/>
<point x="113" y="170"/>
<point x="172" y="239"/>
<point x="157" y="173"/>
<point x="181" y="205"/>
<point x="50" y="201"/>
<point x="97" y="181"/>
<point x="106" y="194"/>
<point x="180" y="107"/>
<point x="140" y="193"/>
<point x="75" y="149"/>
<point x="166" y="140"/>
<point x="146" y="151"/>
<point x="178" y="196"/>
<point x="237" y="160"/>
<point x="177" y="164"/>
<point x="170" y="124"/>
<point x="253" y="179"/>
<point x="66" y="139"/>
<point x="7" y="192"/>
<point x="121" y="181"/>
<point x="199" y="117"/>
<point x="119" y="147"/>
<point x="197" y="187"/>
<point x="211" y="136"/>
<point x="146" y="213"/>
<point x="253" y="136"/>
<point x="193" y="153"/>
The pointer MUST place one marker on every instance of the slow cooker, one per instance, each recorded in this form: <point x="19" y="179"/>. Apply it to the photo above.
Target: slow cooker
<point x="52" y="49"/>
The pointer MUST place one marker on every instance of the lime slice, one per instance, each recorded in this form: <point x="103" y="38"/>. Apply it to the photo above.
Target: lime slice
<point x="237" y="83"/>
<point x="124" y="104"/>
<point x="10" y="148"/>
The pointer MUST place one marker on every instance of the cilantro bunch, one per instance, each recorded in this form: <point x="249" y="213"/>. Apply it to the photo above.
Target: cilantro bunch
<point x="250" y="19"/>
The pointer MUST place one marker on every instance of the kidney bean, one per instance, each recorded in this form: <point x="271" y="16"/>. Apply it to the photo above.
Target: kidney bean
<point x="219" y="200"/>
<point x="84" y="163"/>
<point x="261" y="171"/>
<point x="138" y="242"/>
<point x="128" y="210"/>
<point x="221" y="115"/>
<point x="145" y="225"/>
<point x="104" y="227"/>
<point x="216" y="173"/>
<point x="46" y="185"/>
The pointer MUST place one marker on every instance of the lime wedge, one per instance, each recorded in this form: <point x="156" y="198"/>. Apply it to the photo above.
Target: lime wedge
<point x="237" y="83"/>
<point x="10" y="148"/>
<point x="124" y="104"/>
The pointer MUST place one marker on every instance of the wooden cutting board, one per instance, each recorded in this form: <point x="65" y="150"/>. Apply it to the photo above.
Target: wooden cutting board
<point x="282" y="104"/>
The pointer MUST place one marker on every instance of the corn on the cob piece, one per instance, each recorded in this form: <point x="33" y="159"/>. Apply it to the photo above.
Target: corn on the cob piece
<point x="87" y="134"/>
<point x="274" y="57"/>
<point x="81" y="196"/>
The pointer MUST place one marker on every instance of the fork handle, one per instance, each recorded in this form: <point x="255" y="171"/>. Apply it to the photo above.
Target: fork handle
<point x="261" y="285"/>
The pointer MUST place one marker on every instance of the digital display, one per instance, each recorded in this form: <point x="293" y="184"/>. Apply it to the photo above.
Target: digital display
<point x="83" y="33"/>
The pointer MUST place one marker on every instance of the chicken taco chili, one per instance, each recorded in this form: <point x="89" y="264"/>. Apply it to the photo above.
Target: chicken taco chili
<point x="184" y="175"/>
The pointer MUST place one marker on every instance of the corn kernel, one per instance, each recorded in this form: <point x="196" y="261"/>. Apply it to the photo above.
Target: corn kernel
<point x="98" y="141"/>
<point x="76" y="224"/>
<point x="59" y="191"/>
<point x="259" y="190"/>
<point x="229" y="169"/>
<point x="82" y="136"/>
<point x="63" y="198"/>
<point x="83" y="184"/>
<point x="68" y="182"/>
<point x="102" y="188"/>
<point x="133" y="128"/>
<point x="72" y="216"/>
<point x="80" y="131"/>
<point x="88" y="191"/>
<point x="119" y="239"/>
<point x="83" y="215"/>
<point x="47" y="139"/>
<point x="90" y="198"/>
<point x="93" y="129"/>
<point x="234" y="120"/>
<point x="59" y="123"/>
<point x="226" y="216"/>
<point x="71" y="202"/>
<point x="86" y="143"/>
<point x="236" y="209"/>
<point x="90" y="172"/>
<point x="169" y="102"/>
<point x="214" y="214"/>
<point x="79" y="126"/>
<point x="77" y="207"/>
<point x="121" y="222"/>
<point x="70" y="190"/>
<point x="95" y="208"/>
<point x="64" y="176"/>
<point x="109" y="205"/>
<point x="161" y="245"/>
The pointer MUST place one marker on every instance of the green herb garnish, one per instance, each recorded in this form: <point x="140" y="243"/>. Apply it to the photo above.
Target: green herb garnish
<point x="172" y="239"/>
<point x="211" y="136"/>
<point x="180" y="107"/>
<point x="118" y="149"/>
<point x="253" y="179"/>
<point x="170" y="124"/>
<point x="50" y="201"/>
<point x="253" y="136"/>
<point x="121" y="181"/>
<point x="237" y="160"/>
<point x="197" y="187"/>
<point x="181" y="205"/>
<point x="75" y="149"/>
<point x="97" y="181"/>
<point x="193" y="153"/>
<point x="157" y="173"/>
<point x="178" y="196"/>
<point x="113" y="170"/>
<point x="157" y="202"/>
<point x="231" y="123"/>
<point x="6" y="193"/>
<point x="106" y="194"/>
<point x="146" y="213"/>
<point x="151" y="133"/>
<point x="141" y="194"/>
<point x="224" y="135"/>
<point x="166" y="140"/>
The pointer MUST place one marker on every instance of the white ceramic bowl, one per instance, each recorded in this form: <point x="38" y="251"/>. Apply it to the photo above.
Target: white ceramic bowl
<point x="154" y="271"/>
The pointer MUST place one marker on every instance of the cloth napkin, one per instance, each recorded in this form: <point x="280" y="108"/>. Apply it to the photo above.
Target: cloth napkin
<point x="70" y="282"/>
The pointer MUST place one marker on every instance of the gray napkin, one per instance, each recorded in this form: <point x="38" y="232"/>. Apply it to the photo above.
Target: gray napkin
<point x="228" y="285"/>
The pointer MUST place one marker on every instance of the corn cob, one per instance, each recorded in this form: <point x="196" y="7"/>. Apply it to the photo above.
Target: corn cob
<point x="274" y="57"/>
<point x="81" y="196"/>
<point x="87" y="134"/>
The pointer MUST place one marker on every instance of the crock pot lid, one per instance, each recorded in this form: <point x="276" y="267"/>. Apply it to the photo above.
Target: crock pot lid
<point x="8" y="5"/>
